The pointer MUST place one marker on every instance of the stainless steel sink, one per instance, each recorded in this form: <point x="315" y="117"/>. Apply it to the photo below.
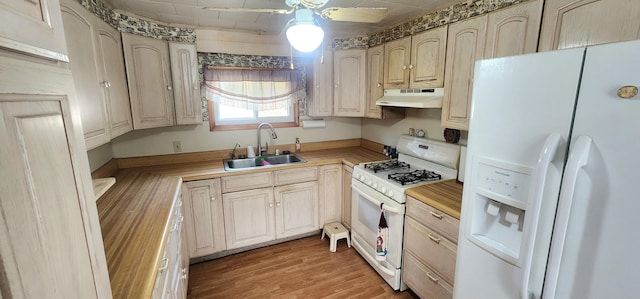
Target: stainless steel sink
<point x="241" y="164"/>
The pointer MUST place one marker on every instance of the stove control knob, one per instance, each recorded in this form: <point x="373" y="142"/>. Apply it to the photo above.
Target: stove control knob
<point x="361" y="178"/>
<point x="369" y="182"/>
<point x="375" y="185"/>
<point x="384" y="189"/>
<point x="390" y="193"/>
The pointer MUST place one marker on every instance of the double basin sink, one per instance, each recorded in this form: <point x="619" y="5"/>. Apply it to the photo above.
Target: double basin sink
<point x="261" y="161"/>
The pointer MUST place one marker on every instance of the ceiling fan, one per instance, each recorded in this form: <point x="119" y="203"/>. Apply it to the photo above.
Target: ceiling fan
<point x="302" y="31"/>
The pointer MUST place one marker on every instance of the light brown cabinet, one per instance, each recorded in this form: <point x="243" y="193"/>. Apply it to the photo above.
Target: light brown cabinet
<point x="465" y="45"/>
<point x="186" y="84"/>
<point x="347" y="171"/>
<point x="296" y="209"/>
<point x="375" y="78"/>
<point x="51" y="237"/>
<point x="320" y="86"/>
<point x="513" y="30"/>
<point x="249" y="217"/>
<point x="580" y="23"/>
<point x="84" y="63"/>
<point x="331" y="192"/>
<point x="33" y="27"/>
<point x="149" y="78"/>
<point x="417" y="61"/>
<point x="171" y="280"/>
<point x="429" y="250"/>
<point x="204" y="222"/>
<point x="349" y="79"/>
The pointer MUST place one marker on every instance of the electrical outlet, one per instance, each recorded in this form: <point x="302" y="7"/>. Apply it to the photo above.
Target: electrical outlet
<point x="177" y="146"/>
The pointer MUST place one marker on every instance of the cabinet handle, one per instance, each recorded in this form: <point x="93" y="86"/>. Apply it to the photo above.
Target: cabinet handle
<point x="277" y="204"/>
<point x="184" y="271"/>
<point x="271" y="205"/>
<point x="106" y="84"/>
<point x="404" y="67"/>
<point x="379" y="85"/>
<point x="439" y="216"/>
<point x="411" y="66"/>
<point x="627" y="92"/>
<point x="213" y="198"/>
<point x="180" y="203"/>
<point x="435" y="239"/>
<point x="174" y="227"/>
<point x="164" y="264"/>
<point x="169" y="87"/>
<point x="184" y="274"/>
<point x="181" y="218"/>
<point x="432" y="278"/>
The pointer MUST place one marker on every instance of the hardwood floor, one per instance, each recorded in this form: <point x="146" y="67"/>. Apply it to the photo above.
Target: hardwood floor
<point x="303" y="268"/>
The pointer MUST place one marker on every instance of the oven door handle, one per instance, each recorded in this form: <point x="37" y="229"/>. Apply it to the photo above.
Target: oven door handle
<point x="376" y="202"/>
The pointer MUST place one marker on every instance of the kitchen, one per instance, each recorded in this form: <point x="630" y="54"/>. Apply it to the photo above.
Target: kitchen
<point x="198" y="138"/>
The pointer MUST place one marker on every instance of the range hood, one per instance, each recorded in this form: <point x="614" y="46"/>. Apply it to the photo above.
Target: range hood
<point x="412" y="98"/>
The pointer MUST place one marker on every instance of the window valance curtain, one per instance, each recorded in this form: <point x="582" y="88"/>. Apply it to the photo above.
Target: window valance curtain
<point x="244" y="88"/>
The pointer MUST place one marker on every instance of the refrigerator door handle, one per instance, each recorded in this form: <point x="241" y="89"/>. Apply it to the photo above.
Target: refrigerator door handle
<point x="547" y="154"/>
<point x="578" y="158"/>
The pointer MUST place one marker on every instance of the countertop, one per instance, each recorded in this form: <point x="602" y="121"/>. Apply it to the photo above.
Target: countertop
<point x="445" y="196"/>
<point x="134" y="212"/>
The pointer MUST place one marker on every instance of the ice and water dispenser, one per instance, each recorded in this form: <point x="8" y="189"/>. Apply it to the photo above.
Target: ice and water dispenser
<point x="499" y="207"/>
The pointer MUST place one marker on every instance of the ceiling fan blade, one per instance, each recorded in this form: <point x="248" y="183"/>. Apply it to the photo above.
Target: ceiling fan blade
<point x="256" y="10"/>
<point x="314" y="4"/>
<point x="354" y="14"/>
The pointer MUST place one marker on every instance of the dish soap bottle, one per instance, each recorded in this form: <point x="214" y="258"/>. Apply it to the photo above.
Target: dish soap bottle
<point x="298" y="145"/>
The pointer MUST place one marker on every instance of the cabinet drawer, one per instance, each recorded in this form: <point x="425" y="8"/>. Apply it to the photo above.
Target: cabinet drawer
<point x="443" y="223"/>
<point x="295" y="175"/>
<point x="430" y="248"/>
<point x="423" y="281"/>
<point x="247" y="182"/>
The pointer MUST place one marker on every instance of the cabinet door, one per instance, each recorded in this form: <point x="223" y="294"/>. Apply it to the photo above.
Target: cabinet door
<point x="465" y="44"/>
<point x="580" y="23"/>
<point x="296" y="209"/>
<point x="349" y="69"/>
<point x="396" y="63"/>
<point x="331" y="192"/>
<point x="427" y="58"/>
<point x="346" y="195"/>
<point x="114" y="79"/>
<point x="249" y="217"/>
<point x="203" y="217"/>
<point x="320" y="86"/>
<point x="186" y="85"/>
<point x="375" y="73"/>
<point x="83" y="61"/>
<point x="50" y="236"/>
<point x="41" y="19"/>
<point x="149" y="78"/>
<point x="513" y="30"/>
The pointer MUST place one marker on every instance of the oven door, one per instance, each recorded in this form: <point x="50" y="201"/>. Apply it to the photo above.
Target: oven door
<point x="365" y="217"/>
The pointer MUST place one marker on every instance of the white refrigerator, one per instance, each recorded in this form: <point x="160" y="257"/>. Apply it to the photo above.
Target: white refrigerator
<point x="551" y="201"/>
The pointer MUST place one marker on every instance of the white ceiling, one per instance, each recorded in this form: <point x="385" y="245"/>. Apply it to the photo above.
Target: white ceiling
<point x="190" y="13"/>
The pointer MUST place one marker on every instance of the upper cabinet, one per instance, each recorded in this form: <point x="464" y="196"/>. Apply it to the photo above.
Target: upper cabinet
<point x="149" y="77"/>
<point x="41" y="20"/>
<point x="82" y="45"/>
<point x="416" y="61"/>
<point x="375" y="75"/>
<point x="514" y="30"/>
<point x="320" y="86"/>
<point x="505" y="32"/>
<point x="186" y="85"/>
<point x="579" y="23"/>
<point x="465" y="45"/>
<point x="349" y="75"/>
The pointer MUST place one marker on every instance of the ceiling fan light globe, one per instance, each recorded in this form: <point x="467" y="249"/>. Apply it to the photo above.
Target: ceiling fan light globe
<point x="304" y="37"/>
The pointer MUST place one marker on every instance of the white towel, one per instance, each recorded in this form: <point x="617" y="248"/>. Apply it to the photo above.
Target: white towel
<point x="382" y="238"/>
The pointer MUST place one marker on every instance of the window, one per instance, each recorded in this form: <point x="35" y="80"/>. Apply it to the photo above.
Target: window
<point x="240" y="99"/>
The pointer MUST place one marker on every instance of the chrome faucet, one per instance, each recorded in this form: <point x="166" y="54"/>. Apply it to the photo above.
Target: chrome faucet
<point x="273" y="135"/>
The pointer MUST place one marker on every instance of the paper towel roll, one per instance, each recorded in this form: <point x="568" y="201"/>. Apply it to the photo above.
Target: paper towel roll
<point x="319" y="123"/>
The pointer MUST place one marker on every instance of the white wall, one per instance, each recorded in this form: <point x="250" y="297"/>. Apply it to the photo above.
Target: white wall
<point x="198" y="138"/>
<point x="99" y="156"/>
<point x="387" y="131"/>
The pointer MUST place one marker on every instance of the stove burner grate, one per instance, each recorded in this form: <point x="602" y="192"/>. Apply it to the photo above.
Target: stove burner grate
<point x="415" y="176"/>
<point x="387" y="165"/>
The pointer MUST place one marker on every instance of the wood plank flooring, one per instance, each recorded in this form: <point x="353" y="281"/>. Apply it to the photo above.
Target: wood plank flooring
<point x="303" y="268"/>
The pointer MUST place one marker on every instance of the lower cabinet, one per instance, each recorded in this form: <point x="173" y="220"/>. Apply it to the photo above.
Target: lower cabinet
<point x="171" y="281"/>
<point x="346" y="195"/>
<point x="248" y="217"/>
<point x="429" y="250"/>
<point x="296" y="209"/>
<point x="331" y="192"/>
<point x="203" y="214"/>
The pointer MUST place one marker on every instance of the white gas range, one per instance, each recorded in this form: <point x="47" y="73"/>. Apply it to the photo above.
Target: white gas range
<point x="382" y="185"/>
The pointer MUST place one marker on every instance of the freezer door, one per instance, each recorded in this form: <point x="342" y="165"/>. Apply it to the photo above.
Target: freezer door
<point x="595" y="244"/>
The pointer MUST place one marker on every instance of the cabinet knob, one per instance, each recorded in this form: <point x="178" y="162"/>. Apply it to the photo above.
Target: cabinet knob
<point x="105" y="84"/>
<point x="213" y="198"/>
<point x="336" y="86"/>
<point x="164" y="264"/>
<point x="169" y="87"/>
<point x="404" y="67"/>
<point x="411" y="66"/>
<point x="271" y="205"/>
<point x="627" y="92"/>
<point x="277" y="204"/>
<point x="379" y="85"/>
